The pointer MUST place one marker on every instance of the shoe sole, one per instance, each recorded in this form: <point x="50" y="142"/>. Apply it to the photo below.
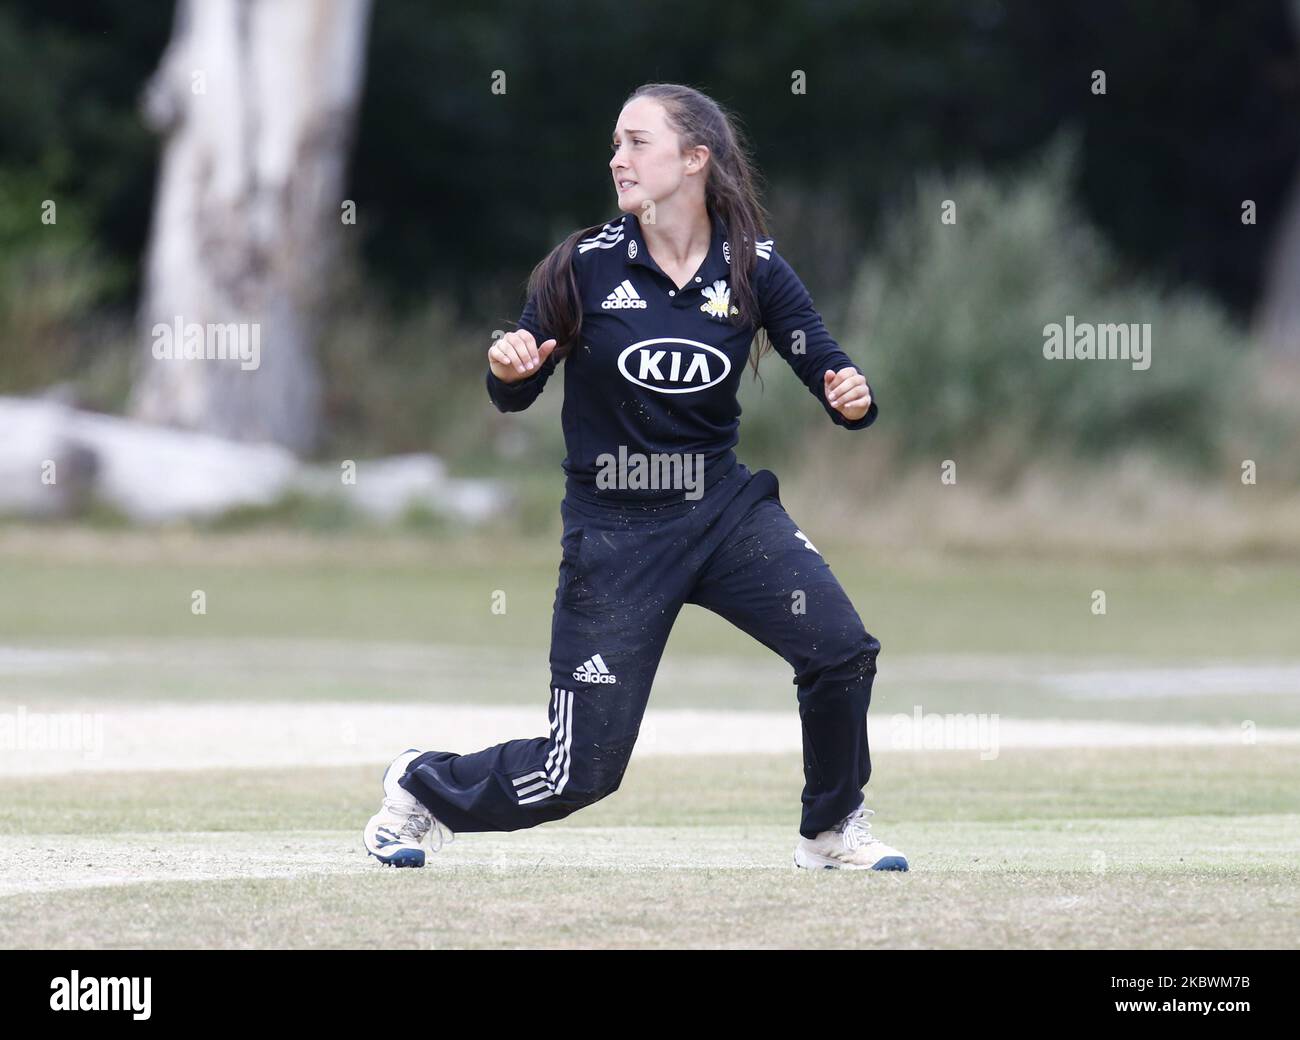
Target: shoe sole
<point x="401" y="858"/>
<point x="814" y="861"/>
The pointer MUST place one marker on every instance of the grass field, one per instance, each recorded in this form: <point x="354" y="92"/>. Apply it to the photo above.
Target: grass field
<point x="1189" y="841"/>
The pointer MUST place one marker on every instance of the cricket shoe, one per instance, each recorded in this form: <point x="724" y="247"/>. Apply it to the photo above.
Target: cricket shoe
<point x="398" y="834"/>
<point x="849" y="845"/>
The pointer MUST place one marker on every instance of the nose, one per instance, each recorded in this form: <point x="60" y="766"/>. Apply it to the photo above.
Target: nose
<point x="616" y="161"/>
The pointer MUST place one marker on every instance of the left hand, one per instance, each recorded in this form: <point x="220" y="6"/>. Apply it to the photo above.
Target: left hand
<point x="847" y="392"/>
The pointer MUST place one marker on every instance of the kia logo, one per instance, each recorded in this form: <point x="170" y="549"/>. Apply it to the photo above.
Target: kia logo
<point x="673" y="366"/>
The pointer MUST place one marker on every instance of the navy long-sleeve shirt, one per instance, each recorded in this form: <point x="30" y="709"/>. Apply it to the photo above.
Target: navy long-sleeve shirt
<point x="656" y="369"/>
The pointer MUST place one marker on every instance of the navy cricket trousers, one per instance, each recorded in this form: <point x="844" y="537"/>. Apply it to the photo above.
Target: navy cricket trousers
<point x="625" y="572"/>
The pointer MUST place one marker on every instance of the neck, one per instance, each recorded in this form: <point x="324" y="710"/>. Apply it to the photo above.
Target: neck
<point x="678" y="234"/>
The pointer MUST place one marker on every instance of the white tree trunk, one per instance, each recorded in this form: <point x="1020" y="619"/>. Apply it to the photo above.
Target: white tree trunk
<point x="257" y="99"/>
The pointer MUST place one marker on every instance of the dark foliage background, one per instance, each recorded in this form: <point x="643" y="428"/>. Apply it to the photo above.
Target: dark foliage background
<point x="1200" y="113"/>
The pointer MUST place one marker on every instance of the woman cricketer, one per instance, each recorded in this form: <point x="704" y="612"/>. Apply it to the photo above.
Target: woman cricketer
<point x="654" y="315"/>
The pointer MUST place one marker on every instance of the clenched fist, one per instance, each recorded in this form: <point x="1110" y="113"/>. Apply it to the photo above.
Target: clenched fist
<point x="847" y="392"/>
<point x="517" y="356"/>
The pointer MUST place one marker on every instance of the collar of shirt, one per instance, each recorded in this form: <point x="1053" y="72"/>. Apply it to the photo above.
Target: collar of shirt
<point x="716" y="264"/>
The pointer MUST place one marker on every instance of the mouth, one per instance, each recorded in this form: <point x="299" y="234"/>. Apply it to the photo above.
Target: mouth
<point x="624" y="185"/>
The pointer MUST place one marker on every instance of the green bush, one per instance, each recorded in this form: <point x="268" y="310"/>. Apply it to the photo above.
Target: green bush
<point x="949" y="319"/>
<point x="52" y="284"/>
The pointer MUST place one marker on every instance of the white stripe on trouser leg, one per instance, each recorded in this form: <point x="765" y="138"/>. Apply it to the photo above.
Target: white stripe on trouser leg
<point x="541" y="775"/>
<point x="557" y="735"/>
<point x="566" y="755"/>
<point x="557" y="763"/>
<point x="560" y="756"/>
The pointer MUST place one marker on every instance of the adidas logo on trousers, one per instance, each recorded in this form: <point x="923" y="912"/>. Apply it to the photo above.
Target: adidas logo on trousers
<point x="593" y="670"/>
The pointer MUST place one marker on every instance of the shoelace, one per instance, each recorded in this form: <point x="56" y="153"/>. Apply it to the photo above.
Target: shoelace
<point x="857" y="829"/>
<point x="419" y="824"/>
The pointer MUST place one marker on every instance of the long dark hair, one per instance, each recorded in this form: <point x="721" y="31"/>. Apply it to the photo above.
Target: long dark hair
<point x="730" y="194"/>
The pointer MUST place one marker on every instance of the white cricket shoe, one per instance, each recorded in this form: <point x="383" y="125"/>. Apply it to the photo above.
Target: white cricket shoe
<point x="398" y="833"/>
<point x="849" y="845"/>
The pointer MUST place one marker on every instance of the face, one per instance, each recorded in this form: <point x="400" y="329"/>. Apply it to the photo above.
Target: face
<point x="648" y="163"/>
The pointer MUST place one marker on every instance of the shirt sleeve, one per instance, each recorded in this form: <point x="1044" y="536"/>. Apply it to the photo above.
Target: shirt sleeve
<point x="516" y="396"/>
<point x="787" y="310"/>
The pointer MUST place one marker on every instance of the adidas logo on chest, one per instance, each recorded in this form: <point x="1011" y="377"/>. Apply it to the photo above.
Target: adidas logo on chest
<point x="623" y="298"/>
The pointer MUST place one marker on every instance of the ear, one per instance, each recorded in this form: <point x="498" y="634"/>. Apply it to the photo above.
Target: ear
<point x="697" y="158"/>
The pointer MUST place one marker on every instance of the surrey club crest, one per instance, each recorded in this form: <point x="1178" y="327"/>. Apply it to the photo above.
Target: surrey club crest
<point x="717" y="300"/>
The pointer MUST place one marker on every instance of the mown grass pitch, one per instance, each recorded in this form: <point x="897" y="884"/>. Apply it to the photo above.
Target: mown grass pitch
<point x="1089" y="848"/>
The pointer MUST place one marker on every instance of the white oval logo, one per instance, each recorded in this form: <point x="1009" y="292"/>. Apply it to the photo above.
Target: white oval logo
<point x="673" y="366"/>
<point x="631" y="250"/>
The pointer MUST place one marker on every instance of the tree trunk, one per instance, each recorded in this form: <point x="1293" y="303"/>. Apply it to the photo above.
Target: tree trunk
<point x="257" y="100"/>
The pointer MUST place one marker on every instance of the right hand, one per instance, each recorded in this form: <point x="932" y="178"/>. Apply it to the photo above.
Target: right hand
<point x="517" y="356"/>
